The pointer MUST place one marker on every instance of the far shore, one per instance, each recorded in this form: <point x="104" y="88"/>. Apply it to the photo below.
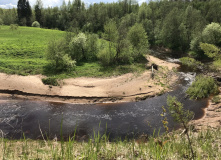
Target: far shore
<point x="125" y="88"/>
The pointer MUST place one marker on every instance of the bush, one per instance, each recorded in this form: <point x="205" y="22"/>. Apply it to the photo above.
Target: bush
<point x="50" y="81"/>
<point x="106" y="56"/>
<point x="202" y="87"/>
<point x="191" y="62"/>
<point x="216" y="99"/>
<point x="217" y="64"/>
<point x="36" y="24"/>
<point x="57" y="55"/>
<point x="13" y="27"/>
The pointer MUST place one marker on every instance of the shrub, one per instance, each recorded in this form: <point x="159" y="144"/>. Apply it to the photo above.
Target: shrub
<point x="50" y="81"/>
<point x="13" y="27"/>
<point x="56" y="54"/>
<point x="191" y="62"/>
<point x="217" y="64"/>
<point x="216" y="99"/>
<point x="202" y="87"/>
<point x="36" y="24"/>
<point x="193" y="54"/>
<point x="106" y="56"/>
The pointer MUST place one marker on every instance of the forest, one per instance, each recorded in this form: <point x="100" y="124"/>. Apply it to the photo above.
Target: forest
<point x="81" y="81"/>
<point x="183" y="26"/>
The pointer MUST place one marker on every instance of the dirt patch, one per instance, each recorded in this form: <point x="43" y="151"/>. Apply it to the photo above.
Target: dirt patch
<point x="211" y="119"/>
<point x="127" y="87"/>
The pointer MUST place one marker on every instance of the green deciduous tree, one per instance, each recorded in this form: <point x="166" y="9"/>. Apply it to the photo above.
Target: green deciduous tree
<point x="212" y="34"/>
<point x="182" y="116"/>
<point x="78" y="47"/>
<point x="110" y="32"/>
<point x="211" y="50"/>
<point x="1" y="22"/>
<point x="138" y="39"/>
<point x="171" y="34"/>
<point x="92" y="47"/>
<point x="59" y="59"/>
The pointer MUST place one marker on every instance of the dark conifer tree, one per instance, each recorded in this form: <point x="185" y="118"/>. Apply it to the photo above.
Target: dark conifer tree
<point x="38" y="11"/>
<point x="28" y="13"/>
<point x="24" y="12"/>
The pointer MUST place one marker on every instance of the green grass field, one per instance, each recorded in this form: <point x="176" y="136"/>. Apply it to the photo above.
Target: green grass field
<point x="23" y="52"/>
<point x="172" y="146"/>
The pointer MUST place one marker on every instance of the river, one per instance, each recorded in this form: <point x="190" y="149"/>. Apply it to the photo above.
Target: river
<point x="34" y="119"/>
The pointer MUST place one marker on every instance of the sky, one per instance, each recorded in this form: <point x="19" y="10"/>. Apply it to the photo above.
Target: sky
<point x="52" y="3"/>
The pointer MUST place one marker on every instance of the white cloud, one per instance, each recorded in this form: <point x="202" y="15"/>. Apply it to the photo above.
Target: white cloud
<point x="52" y="3"/>
<point x="48" y="3"/>
<point x="10" y="5"/>
<point x="141" y="1"/>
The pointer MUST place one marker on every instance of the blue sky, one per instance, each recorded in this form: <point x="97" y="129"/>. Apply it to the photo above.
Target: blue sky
<point x="13" y="3"/>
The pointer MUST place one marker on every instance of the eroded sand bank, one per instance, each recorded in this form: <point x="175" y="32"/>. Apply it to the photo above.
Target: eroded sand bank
<point x="127" y="87"/>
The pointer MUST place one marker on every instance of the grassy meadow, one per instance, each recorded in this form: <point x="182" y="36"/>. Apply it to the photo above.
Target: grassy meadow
<point x="23" y="52"/>
<point x="172" y="146"/>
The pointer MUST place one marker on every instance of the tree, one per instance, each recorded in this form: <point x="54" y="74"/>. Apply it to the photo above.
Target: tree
<point x="78" y="47"/>
<point x="192" y="24"/>
<point x="212" y="34"/>
<point x="110" y="32"/>
<point x="1" y="22"/>
<point x="38" y="11"/>
<point x="21" y="10"/>
<point x="92" y="47"/>
<point x="28" y="13"/>
<point x="138" y="39"/>
<point x="56" y="54"/>
<point x="24" y="12"/>
<point x="170" y="33"/>
<point x="182" y="116"/>
<point x="211" y="50"/>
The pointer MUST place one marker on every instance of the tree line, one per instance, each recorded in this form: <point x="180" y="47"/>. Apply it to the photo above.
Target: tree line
<point x="170" y="23"/>
<point x="180" y="25"/>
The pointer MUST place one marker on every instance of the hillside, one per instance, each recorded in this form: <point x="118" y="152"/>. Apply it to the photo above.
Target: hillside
<point x="22" y="51"/>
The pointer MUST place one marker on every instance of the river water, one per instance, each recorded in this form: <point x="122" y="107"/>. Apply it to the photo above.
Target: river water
<point x="33" y="119"/>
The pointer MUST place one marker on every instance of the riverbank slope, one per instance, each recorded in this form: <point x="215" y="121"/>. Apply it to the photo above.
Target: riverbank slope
<point x="127" y="87"/>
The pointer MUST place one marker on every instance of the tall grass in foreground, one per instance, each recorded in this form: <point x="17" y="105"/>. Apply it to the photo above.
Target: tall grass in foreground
<point x="170" y="146"/>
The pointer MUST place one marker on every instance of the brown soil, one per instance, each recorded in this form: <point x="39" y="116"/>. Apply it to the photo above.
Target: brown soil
<point x="128" y="87"/>
<point x="211" y="119"/>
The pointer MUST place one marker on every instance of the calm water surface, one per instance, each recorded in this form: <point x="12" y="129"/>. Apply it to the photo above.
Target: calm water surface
<point x="118" y="120"/>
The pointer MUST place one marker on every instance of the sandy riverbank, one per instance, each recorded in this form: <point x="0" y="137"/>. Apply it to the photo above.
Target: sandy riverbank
<point x="128" y="87"/>
<point x="211" y="119"/>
